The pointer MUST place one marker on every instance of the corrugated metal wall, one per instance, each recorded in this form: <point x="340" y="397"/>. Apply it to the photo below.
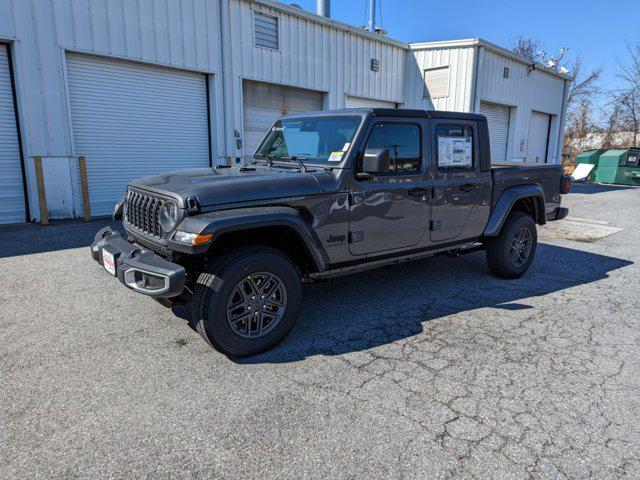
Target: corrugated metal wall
<point x="313" y="54"/>
<point x="527" y="91"/>
<point x="460" y="62"/>
<point x="318" y="54"/>
<point x="179" y="34"/>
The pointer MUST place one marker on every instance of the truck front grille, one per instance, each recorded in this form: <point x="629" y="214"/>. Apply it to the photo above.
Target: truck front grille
<point x="142" y="212"/>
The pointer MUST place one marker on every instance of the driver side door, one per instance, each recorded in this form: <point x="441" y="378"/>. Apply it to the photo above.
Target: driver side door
<point x="390" y="210"/>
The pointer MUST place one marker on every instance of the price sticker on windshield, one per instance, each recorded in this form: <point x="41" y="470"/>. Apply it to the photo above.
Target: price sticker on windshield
<point x="335" y="156"/>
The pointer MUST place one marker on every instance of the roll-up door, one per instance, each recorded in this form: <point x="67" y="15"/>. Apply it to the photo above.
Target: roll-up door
<point x="131" y="120"/>
<point x="264" y="103"/>
<point x="359" y="102"/>
<point x="498" y="121"/>
<point x="12" y="204"/>
<point x="538" y="137"/>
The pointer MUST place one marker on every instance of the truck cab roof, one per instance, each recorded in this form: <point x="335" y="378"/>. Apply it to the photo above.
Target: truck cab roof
<point x="392" y="112"/>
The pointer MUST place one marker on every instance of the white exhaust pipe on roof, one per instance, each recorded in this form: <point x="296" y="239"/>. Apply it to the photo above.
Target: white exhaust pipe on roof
<point x="323" y="8"/>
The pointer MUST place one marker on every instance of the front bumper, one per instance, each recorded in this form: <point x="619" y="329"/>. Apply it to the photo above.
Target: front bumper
<point x="138" y="268"/>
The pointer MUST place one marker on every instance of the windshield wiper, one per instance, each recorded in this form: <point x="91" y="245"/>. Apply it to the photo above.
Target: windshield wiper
<point x="269" y="158"/>
<point x="300" y="160"/>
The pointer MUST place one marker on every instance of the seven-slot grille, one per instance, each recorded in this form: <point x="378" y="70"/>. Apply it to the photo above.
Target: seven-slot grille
<point x="143" y="213"/>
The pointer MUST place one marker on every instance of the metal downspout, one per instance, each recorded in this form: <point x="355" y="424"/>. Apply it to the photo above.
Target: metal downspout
<point x="227" y="95"/>
<point x="563" y="119"/>
<point x="474" y="86"/>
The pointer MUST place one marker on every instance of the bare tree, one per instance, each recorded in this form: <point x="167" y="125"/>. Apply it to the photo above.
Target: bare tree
<point x="583" y="90"/>
<point x="611" y="137"/>
<point x="525" y="46"/>
<point x="627" y="99"/>
<point x="585" y="85"/>
<point x="579" y="127"/>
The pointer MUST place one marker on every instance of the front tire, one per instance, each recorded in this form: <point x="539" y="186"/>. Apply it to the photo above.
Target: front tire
<point x="510" y="254"/>
<point x="248" y="301"/>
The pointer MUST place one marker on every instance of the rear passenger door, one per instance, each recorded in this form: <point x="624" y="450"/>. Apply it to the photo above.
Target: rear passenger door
<point x="458" y="184"/>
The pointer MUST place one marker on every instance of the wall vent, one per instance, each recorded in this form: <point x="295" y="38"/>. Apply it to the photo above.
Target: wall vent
<point x="265" y="31"/>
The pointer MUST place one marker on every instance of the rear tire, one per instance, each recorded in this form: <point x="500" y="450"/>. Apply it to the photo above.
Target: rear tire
<point x="248" y="301"/>
<point x="510" y="254"/>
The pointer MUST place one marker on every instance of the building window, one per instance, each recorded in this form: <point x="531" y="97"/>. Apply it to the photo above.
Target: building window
<point x="436" y="82"/>
<point x="403" y="142"/>
<point x="265" y="31"/>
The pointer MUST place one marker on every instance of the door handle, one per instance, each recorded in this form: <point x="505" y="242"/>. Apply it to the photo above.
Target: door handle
<point x="467" y="187"/>
<point x="417" y="192"/>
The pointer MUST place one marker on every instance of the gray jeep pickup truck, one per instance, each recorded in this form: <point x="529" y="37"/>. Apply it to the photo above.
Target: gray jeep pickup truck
<point x="326" y="194"/>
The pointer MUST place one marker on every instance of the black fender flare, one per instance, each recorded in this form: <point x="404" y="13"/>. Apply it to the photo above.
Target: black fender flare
<point x="238" y="219"/>
<point x="507" y="200"/>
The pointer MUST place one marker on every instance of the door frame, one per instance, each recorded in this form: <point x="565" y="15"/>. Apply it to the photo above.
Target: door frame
<point x="22" y="159"/>
<point x="243" y="78"/>
<point x="423" y="174"/>
<point x="473" y="173"/>
<point x="546" y="149"/>
<point x="210" y="104"/>
<point x="508" y="151"/>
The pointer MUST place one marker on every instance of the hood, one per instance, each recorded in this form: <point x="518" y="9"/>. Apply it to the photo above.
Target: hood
<point x="216" y="186"/>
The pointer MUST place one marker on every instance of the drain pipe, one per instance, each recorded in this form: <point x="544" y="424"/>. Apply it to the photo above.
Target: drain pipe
<point x="323" y="8"/>
<point x="372" y="16"/>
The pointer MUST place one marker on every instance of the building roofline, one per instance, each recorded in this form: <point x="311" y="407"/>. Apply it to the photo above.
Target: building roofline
<point x="465" y="42"/>
<point x="479" y="42"/>
<point x="299" y="12"/>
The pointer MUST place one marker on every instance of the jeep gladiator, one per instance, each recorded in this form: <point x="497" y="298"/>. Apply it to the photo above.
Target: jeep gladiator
<point x="326" y="194"/>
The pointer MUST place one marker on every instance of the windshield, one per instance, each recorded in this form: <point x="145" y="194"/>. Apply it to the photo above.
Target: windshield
<point x="311" y="139"/>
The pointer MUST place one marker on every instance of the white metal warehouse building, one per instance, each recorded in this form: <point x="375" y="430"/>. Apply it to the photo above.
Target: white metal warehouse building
<point x="146" y="86"/>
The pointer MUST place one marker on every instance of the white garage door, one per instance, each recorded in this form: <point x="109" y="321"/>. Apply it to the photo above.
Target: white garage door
<point x="131" y="120"/>
<point x="498" y="120"/>
<point x="359" y="102"/>
<point x="264" y="103"/>
<point x="12" y="208"/>
<point x="538" y="137"/>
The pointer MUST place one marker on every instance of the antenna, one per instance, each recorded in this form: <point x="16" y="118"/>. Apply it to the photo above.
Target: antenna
<point x="563" y="50"/>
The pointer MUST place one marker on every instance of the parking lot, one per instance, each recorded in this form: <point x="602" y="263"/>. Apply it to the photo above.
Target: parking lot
<point x="433" y="369"/>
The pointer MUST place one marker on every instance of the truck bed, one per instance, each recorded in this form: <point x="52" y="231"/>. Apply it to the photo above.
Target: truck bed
<point x="549" y="177"/>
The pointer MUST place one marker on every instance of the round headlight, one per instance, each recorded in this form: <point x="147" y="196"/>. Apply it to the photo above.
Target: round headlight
<point x="168" y="216"/>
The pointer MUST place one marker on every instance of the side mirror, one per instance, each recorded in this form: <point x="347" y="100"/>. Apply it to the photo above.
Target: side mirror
<point x="375" y="160"/>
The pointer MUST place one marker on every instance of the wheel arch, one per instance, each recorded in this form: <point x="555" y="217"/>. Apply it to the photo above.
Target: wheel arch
<point x="282" y="228"/>
<point x="524" y="198"/>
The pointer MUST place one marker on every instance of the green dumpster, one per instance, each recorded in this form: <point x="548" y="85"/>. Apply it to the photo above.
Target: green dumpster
<point x="591" y="157"/>
<point x="620" y="166"/>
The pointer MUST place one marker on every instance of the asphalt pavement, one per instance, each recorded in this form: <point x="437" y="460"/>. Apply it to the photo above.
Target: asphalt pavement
<point x="429" y="370"/>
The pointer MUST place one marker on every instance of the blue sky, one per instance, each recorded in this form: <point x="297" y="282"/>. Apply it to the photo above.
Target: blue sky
<point x="596" y="30"/>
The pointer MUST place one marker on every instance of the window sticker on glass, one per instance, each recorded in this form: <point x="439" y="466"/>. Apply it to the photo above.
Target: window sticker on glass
<point x="454" y="152"/>
<point x="346" y="147"/>
<point x="335" y="156"/>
